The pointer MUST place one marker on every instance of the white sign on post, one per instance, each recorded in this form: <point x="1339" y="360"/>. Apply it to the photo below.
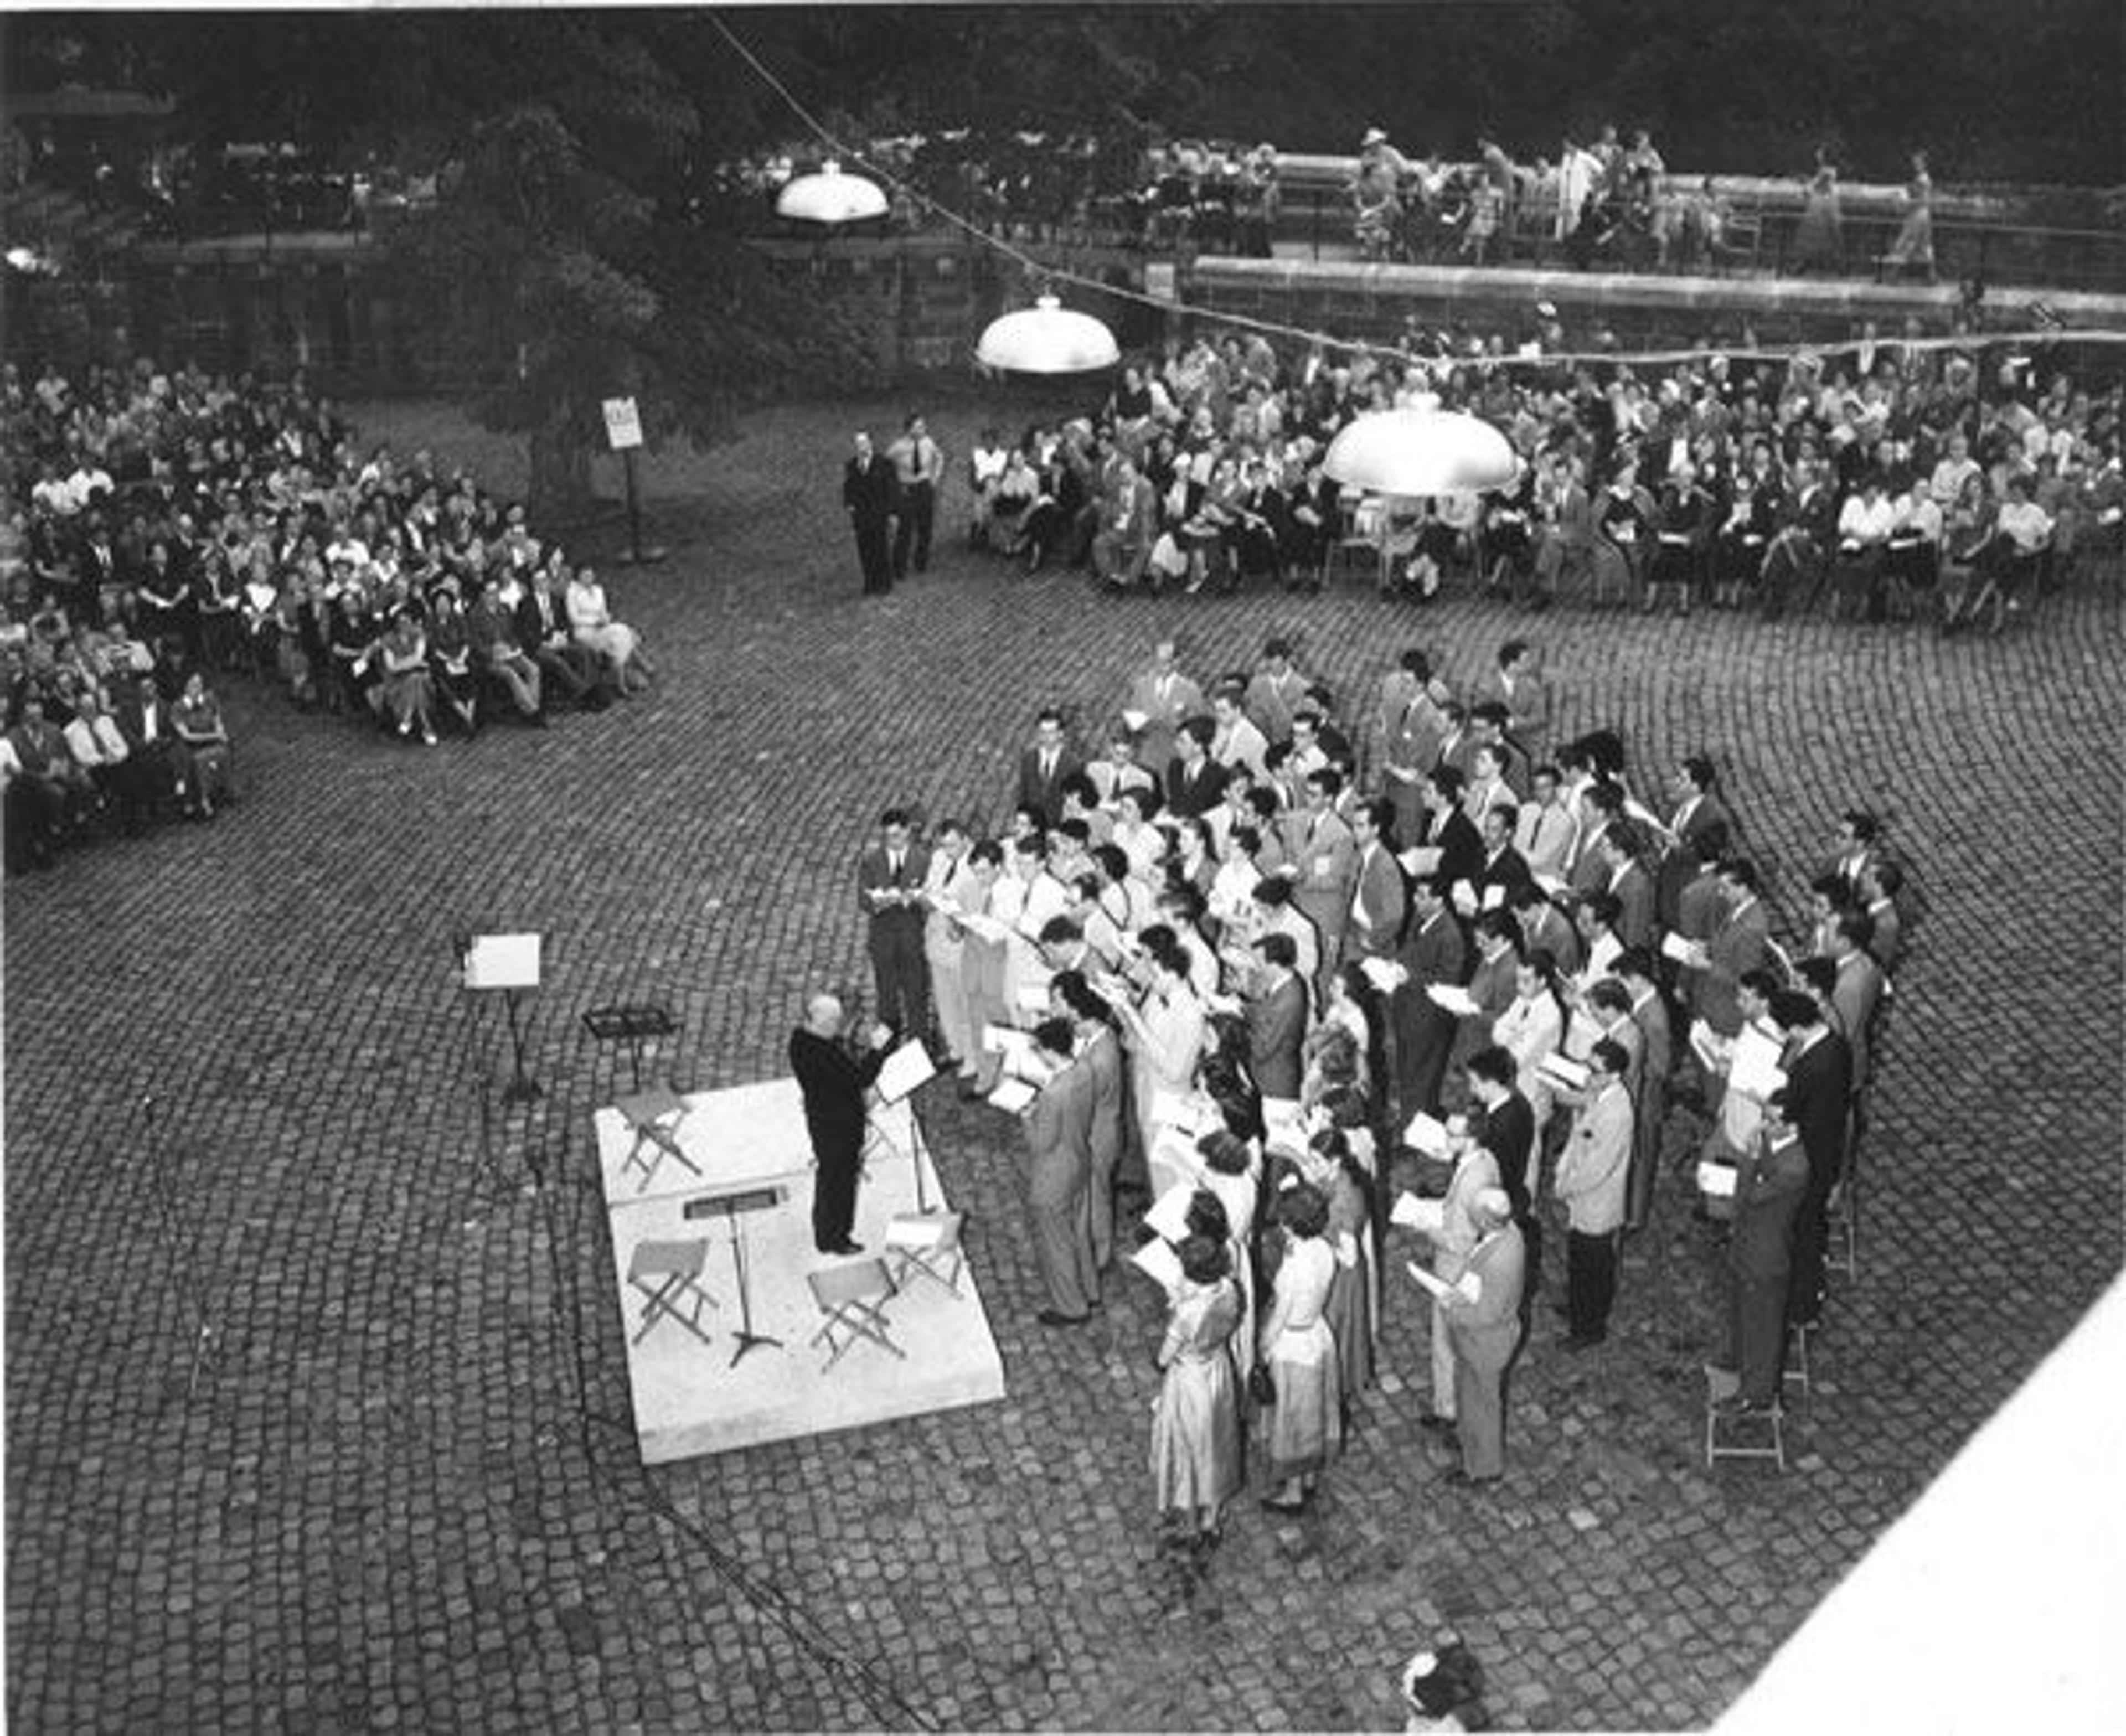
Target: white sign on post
<point x="623" y="423"/>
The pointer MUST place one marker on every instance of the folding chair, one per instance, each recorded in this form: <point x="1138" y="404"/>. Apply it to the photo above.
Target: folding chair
<point x="926" y="1245"/>
<point x="644" y="1111"/>
<point x="1794" y="1377"/>
<point x="852" y="1298"/>
<point x="668" y="1273"/>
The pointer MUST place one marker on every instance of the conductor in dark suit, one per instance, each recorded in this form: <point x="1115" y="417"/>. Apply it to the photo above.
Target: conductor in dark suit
<point x="833" y="1074"/>
<point x="889" y="881"/>
<point x="1769" y="1184"/>
<point x="869" y="492"/>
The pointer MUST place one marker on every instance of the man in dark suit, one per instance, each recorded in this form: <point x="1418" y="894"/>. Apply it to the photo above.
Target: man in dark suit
<point x="832" y="1078"/>
<point x="869" y="494"/>
<point x="1450" y="831"/>
<point x="1699" y="813"/>
<point x="1276" y="1020"/>
<point x="1770" y="1183"/>
<point x="1503" y="1122"/>
<point x="151" y="744"/>
<point x="1044" y="767"/>
<point x="889" y="881"/>
<point x="1622" y="841"/>
<point x="1819" y="1069"/>
<point x="542" y="628"/>
<point x="1433" y="952"/>
<point x="1195" y="782"/>
<point x="1503" y="867"/>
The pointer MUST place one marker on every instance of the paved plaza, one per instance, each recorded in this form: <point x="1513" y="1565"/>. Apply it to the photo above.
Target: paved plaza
<point x="401" y="1490"/>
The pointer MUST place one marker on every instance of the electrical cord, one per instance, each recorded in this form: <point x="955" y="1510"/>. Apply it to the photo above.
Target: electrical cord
<point x="878" y="1694"/>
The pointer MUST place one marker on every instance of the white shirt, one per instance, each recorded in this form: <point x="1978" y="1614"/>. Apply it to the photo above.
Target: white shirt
<point x="99" y="743"/>
<point x="1859" y="522"/>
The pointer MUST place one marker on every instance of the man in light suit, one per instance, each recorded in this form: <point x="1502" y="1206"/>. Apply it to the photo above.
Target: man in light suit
<point x="1059" y="1141"/>
<point x="1044" y="767"/>
<point x="1770" y="1183"/>
<point x="1379" y="903"/>
<point x="889" y="881"/>
<point x="1629" y="883"/>
<point x="1276" y="1014"/>
<point x="1589" y="1183"/>
<point x="1736" y="948"/>
<point x="1323" y="867"/>
<point x="1235" y="740"/>
<point x="1277" y="692"/>
<point x="1166" y="699"/>
<point x="1475" y="1172"/>
<point x="1858" y="992"/>
<point x="1482" y="1334"/>
<point x="1099" y="1053"/>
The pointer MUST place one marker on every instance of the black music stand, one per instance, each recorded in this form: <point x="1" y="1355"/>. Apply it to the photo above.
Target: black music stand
<point x="507" y="964"/>
<point x="734" y="1205"/>
<point x="632" y="1023"/>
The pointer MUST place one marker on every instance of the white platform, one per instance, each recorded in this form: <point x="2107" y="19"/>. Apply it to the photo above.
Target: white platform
<point x="689" y="1399"/>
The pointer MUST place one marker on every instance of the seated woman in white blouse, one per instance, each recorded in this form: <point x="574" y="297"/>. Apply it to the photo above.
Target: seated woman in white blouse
<point x="591" y="624"/>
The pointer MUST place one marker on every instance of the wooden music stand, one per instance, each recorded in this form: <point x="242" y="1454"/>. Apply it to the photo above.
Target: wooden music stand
<point x="507" y="964"/>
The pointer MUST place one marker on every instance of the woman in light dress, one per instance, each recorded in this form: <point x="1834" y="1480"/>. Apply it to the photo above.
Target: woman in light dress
<point x="1299" y="1350"/>
<point x="1196" y="1459"/>
<point x="591" y="624"/>
<point x="1232" y="1173"/>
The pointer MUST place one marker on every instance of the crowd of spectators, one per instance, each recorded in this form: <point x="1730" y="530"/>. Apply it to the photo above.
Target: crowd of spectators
<point x="1271" y="958"/>
<point x="1889" y="476"/>
<point x="164" y="529"/>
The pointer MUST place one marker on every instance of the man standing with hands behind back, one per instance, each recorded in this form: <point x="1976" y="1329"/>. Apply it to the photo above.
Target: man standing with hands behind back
<point x="833" y="1077"/>
<point x="869" y="494"/>
<point x="890" y="882"/>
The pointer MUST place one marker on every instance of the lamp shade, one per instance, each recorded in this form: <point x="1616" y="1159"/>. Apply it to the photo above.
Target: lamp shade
<point x="1412" y="453"/>
<point x="831" y="196"/>
<point x="1047" y="339"/>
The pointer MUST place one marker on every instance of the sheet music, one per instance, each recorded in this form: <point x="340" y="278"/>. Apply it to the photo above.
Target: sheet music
<point x="1427" y="1217"/>
<point x="906" y="1067"/>
<point x="503" y="961"/>
<point x="1159" y="1263"/>
<point x="1168" y="1216"/>
<point x="1427" y="1134"/>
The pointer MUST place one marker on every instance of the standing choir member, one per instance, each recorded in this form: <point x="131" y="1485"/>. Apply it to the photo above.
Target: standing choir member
<point x="1059" y="1139"/>
<point x="1195" y="1464"/>
<point x="1483" y="1332"/>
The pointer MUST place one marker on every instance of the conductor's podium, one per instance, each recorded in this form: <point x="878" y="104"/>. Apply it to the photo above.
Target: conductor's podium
<point x="710" y="1185"/>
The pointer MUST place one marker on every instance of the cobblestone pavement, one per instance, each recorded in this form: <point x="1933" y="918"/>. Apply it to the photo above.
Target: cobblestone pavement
<point x="402" y="1492"/>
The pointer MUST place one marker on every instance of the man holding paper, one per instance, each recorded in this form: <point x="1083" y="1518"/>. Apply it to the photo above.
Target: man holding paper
<point x="1770" y="1183"/>
<point x="1059" y="1141"/>
<point x="1589" y="1184"/>
<point x="1483" y="1316"/>
<point x="891" y="878"/>
<point x="1475" y="1172"/>
<point x="1434" y="955"/>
